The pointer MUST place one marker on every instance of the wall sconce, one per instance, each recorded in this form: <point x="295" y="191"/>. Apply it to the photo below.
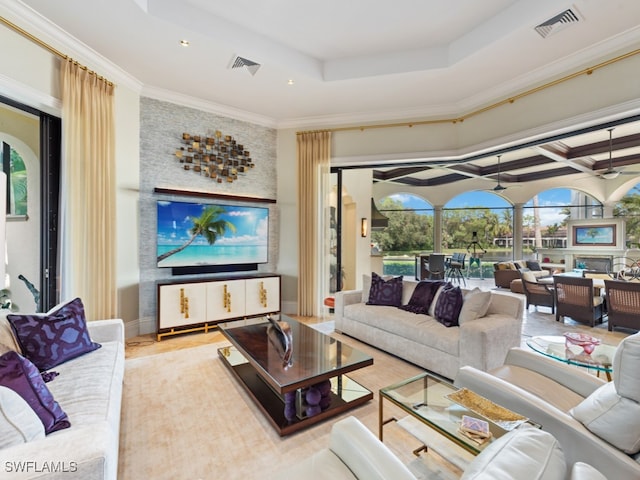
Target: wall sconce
<point x="364" y="227"/>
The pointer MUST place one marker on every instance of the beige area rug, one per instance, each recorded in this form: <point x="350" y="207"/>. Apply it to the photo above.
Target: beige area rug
<point x="185" y="417"/>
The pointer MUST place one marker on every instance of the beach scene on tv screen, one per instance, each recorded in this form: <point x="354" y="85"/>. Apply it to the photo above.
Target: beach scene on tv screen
<point x="191" y="234"/>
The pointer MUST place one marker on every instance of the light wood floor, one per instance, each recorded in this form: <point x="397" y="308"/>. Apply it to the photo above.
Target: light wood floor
<point x="144" y="345"/>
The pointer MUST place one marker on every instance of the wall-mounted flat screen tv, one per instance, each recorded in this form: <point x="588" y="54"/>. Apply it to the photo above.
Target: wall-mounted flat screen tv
<point x="211" y="234"/>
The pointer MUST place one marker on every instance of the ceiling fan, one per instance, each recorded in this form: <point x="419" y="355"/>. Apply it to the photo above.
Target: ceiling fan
<point x="499" y="187"/>
<point x="610" y="173"/>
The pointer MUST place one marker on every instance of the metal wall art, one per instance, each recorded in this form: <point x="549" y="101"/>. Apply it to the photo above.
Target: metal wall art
<point x="219" y="157"/>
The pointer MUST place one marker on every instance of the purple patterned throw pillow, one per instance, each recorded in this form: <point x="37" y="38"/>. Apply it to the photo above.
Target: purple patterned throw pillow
<point x="55" y="337"/>
<point x="448" y="306"/>
<point x="385" y="292"/>
<point x="21" y="376"/>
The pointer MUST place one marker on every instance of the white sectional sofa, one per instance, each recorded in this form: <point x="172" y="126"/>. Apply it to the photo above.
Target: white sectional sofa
<point x="89" y="390"/>
<point x="355" y="453"/>
<point x="595" y="421"/>
<point x="421" y="339"/>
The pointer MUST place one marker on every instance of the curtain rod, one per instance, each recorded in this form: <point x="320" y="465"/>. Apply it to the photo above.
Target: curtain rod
<point x="586" y="71"/>
<point x="49" y="48"/>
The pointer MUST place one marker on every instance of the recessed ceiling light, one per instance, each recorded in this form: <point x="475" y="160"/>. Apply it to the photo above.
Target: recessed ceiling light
<point x="184" y="43"/>
<point x="290" y="82"/>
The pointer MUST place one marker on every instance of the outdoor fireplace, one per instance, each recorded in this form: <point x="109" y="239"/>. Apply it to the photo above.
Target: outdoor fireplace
<point x="599" y="264"/>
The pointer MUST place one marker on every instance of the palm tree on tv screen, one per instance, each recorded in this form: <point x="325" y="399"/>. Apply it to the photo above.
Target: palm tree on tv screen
<point x="209" y="225"/>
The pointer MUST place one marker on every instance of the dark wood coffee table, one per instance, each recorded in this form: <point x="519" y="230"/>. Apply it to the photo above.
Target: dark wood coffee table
<point x="280" y="391"/>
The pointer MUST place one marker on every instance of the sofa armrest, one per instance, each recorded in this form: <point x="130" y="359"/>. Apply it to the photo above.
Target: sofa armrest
<point x="111" y="330"/>
<point x="577" y="380"/>
<point x="77" y="453"/>
<point x="365" y="455"/>
<point x="344" y="298"/>
<point x="578" y="443"/>
<point x="503" y="277"/>
<point x="484" y="342"/>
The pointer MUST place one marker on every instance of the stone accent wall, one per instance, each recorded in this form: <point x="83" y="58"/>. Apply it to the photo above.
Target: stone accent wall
<point x="161" y="127"/>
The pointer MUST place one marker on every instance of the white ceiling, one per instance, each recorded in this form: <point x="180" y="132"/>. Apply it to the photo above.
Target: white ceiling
<point x="355" y="60"/>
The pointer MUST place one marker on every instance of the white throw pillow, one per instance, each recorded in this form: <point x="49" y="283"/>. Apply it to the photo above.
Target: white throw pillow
<point x="366" y="286"/>
<point x="408" y="286"/>
<point x="529" y="277"/>
<point x="18" y="422"/>
<point x="626" y="374"/>
<point x="474" y="305"/>
<point x="6" y="333"/>
<point x="582" y="471"/>
<point x="611" y="417"/>
<point x="525" y="452"/>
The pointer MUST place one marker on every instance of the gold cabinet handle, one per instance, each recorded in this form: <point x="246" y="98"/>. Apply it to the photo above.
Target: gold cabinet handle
<point x="263" y="295"/>
<point x="226" y="298"/>
<point x="184" y="304"/>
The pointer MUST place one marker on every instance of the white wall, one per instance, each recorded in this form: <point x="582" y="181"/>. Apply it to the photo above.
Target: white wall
<point x="30" y="74"/>
<point x="358" y="185"/>
<point x="288" y="207"/>
<point x="127" y="111"/>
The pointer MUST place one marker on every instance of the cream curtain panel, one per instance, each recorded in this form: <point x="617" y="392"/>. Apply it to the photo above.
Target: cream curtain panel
<point x="88" y="257"/>
<point x="314" y="154"/>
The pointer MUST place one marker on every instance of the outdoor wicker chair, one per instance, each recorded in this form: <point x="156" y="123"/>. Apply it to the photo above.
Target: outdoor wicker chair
<point x="623" y="304"/>
<point x="575" y="298"/>
<point x="537" y="293"/>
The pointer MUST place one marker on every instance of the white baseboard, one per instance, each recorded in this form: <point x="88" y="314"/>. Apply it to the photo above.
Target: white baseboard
<point x="139" y="326"/>
<point x="289" y="308"/>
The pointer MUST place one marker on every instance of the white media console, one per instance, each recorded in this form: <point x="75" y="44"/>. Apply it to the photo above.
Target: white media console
<point x="199" y="305"/>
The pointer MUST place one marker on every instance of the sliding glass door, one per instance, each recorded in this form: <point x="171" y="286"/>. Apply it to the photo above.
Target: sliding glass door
<point x="30" y="156"/>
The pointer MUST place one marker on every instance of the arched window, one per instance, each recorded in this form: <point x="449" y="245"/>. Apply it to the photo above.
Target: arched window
<point x="409" y="232"/>
<point x="629" y="208"/>
<point x="545" y="217"/>
<point x="487" y="215"/>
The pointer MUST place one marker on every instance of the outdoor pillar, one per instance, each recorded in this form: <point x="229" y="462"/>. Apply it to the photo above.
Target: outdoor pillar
<point x="517" y="231"/>
<point x="607" y="209"/>
<point x="437" y="228"/>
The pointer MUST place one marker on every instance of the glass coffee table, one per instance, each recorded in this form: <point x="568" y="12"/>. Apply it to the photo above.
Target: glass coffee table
<point x="427" y="398"/>
<point x="310" y="386"/>
<point x="553" y="346"/>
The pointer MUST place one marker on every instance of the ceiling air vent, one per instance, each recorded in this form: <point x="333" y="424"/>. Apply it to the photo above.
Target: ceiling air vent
<point x="250" y="65"/>
<point x="559" y="22"/>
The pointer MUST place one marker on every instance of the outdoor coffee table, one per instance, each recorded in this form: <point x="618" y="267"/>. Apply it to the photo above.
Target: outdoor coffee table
<point x="553" y="346"/>
<point x="425" y="397"/>
<point x="279" y="390"/>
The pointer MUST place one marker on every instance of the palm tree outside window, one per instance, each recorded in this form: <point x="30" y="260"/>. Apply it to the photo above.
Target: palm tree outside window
<point x="16" y="171"/>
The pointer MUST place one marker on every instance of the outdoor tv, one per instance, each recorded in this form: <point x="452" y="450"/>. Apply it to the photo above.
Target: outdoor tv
<point x="211" y="235"/>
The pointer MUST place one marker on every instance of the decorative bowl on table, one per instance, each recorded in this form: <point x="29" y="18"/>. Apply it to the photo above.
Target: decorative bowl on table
<point x="587" y="342"/>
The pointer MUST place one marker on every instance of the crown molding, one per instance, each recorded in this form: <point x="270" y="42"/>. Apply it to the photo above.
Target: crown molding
<point x="41" y="27"/>
<point x="48" y="32"/>
<point x="625" y="41"/>
<point x="211" y="107"/>
<point x="489" y="147"/>
<point x="29" y="96"/>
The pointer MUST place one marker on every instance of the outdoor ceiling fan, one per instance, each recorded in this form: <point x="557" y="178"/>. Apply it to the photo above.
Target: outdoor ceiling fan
<point x="499" y="187"/>
<point x="610" y="173"/>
